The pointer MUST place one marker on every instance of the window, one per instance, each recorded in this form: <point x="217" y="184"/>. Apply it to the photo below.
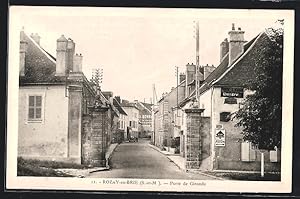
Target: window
<point x="225" y="116"/>
<point x="247" y="152"/>
<point x="35" y="108"/>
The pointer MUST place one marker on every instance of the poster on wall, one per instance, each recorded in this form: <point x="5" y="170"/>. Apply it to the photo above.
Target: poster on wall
<point x="220" y="137"/>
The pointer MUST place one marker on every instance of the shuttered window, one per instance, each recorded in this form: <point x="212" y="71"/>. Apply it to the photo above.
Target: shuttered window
<point x="35" y="107"/>
<point x="247" y="152"/>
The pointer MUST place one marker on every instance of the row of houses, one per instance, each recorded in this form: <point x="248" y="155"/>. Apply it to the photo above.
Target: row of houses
<point x="219" y="143"/>
<point x="63" y="116"/>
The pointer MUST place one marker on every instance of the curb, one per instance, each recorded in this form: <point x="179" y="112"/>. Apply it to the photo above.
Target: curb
<point x="183" y="169"/>
<point x="208" y="175"/>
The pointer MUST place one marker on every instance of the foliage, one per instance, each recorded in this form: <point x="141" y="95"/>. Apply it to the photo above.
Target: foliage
<point x="37" y="168"/>
<point x="260" y="115"/>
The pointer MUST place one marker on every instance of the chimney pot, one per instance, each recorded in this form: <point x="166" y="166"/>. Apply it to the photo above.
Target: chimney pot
<point x="77" y="63"/>
<point x="36" y="38"/>
<point x="236" y="44"/>
<point x="61" y="56"/>
<point x="233" y="28"/>
<point x="224" y="48"/>
<point x="23" y="49"/>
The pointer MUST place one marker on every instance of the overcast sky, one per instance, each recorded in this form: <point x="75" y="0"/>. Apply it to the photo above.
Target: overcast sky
<point x="138" y="47"/>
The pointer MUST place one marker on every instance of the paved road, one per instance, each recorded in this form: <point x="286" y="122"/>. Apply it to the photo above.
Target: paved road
<point x="138" y="160"/>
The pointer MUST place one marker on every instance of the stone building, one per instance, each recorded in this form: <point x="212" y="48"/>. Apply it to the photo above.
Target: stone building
<point x="54" y="97"/>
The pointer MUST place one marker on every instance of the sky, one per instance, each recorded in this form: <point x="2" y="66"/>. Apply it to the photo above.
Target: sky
<point x="138" y="47"/>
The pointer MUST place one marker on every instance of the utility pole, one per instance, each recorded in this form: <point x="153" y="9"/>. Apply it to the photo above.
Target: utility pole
<point x="197" y="61"/>
<point x="97" y="76"/>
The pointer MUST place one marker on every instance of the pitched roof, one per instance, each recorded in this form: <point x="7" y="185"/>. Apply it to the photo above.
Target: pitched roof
<point x="147" y="105"/>
<point x="40" y="66"/>
<point x="126" y="103"/>
<point x="243" y="69"/>
<point x="118" y="106"/>
<point x="181" y="83"/>
<point x="223" y="67"/>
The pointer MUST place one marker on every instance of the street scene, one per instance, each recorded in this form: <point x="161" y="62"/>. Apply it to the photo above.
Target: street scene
<point x="129" y="94"/>
<point x="139" y="160"/>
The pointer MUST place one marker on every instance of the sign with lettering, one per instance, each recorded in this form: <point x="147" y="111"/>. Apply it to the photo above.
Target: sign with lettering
<point x="220" y="137"/>
<point x="232" y="92"/>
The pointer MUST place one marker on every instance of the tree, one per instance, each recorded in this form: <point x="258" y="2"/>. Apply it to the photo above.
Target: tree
<point x="260" y="115"/>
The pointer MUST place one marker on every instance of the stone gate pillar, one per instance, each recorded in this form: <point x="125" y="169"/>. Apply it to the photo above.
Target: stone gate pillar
<point x="193" y="138"/>
<point x="95" y="135"/>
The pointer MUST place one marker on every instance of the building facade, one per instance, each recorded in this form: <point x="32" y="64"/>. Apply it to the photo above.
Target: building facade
<point x="54" y="95"/>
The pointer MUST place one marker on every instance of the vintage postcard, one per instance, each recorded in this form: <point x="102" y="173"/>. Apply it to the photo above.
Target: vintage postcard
<point x="150" y="99"/>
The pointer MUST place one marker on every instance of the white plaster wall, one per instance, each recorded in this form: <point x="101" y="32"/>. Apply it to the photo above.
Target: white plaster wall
<point x="47" y="138"/>
<point x="130" y="112"/>
<point x="205" y="102"/>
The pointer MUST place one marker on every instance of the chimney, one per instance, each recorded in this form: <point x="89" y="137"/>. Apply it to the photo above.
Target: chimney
<point x="118" y="98"/>
<point x="23" y="48"/>
<point x="224" y="48"/>
<point x="61" y="56"/>
<point x="181" y="77"/>
<point x="36" y="38"/>
<point x="208" y="70"/>
<point x="190" y="76"/>
<point x="236" y="43"/>
<point x="77" y="63"/>
<point x="70" y="54"/>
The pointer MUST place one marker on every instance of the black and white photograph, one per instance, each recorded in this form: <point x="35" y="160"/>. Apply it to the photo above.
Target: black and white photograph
<point x="150" y="99"/>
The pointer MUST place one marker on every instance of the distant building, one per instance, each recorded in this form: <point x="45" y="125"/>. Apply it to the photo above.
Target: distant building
<point x="132" y="118"/>
<point x="145" y="118"/>
<point x="122" y="123"/>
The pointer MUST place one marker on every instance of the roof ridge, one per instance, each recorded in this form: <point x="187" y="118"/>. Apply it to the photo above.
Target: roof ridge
<point x="238" y="60"/>
<point x="41" y="49"/>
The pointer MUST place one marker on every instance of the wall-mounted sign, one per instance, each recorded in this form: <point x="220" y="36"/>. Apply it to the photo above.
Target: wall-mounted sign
<point x="232" y="92"/>
<point x="220" y="137"/>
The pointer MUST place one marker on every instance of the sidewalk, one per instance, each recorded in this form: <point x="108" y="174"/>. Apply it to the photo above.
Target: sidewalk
<point x="179" y="161"/>
<point x="81" y="173"/>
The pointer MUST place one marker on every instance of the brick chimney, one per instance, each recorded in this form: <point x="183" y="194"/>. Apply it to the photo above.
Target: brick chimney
<point x="23" y="48"/>
<point x="36" y="38"/>
<point x="236" y="43"/>
<point x="208" y="70"/>
<point x="224" y="48"/>
<point x="181" y="77"/>
<point x="70" y="54"/>
<point x="77" y="63"/>
<point x="61" y="56"/>
<point x="190" y="76"/>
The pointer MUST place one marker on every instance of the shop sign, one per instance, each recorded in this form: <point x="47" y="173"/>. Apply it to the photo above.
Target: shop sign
<point x="220" y="137"/>
<point x="232" y="92"/>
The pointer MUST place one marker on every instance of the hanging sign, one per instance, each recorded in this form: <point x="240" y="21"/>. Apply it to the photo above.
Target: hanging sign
<point x="232" y="92"/>
<point x="220" y="137"/>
